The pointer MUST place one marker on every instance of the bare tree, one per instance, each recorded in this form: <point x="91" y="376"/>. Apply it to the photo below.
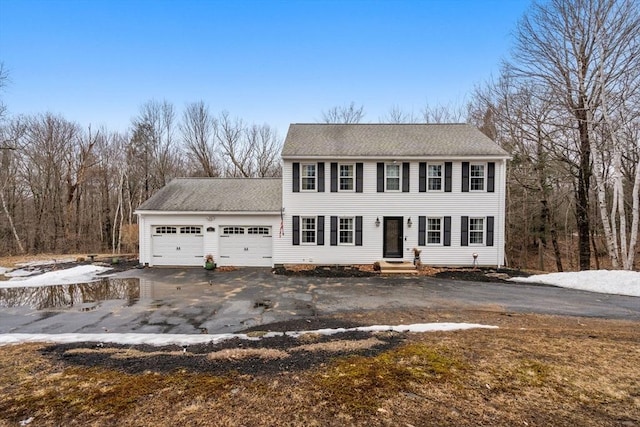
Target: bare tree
<point x="198" y="136"/>
<point x="561" y="44"/>
<point x="444" y="114"/>
<point x="234" y="147"/>
<point x="397" y="115"/>
<point x="266" y="150"/>
<point x="344" y="114"/>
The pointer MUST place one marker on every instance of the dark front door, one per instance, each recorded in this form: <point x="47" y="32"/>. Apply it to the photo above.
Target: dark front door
<point x="392" y="246"/>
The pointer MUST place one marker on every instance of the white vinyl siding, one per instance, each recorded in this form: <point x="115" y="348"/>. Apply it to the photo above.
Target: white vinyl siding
<point x="371" y="205"/>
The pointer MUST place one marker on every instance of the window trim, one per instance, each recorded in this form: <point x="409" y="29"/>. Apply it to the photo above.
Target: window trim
<point x="303" y="229"/>
<point x="441" y="178"/>
<point x="352" y="230"/>
<point x="440" y="231"/>
<point x="483" y="231"/>
<point x="303" y="168"/>
<point x="352" y="177"/>
<point x="484" y="177"/>
<point x="399" y="177"/>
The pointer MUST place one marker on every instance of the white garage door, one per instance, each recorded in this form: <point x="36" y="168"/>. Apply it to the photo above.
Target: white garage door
<point x="177" y="245"/>
<point x="245" y="246"/>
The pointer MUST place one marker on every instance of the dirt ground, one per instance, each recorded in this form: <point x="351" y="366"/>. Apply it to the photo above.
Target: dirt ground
<point x="534" y="370"/>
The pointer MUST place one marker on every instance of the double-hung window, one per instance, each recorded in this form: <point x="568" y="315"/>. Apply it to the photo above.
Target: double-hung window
<point x="434" y="231"/>
<point x="308" y="177"/>
<point x="308" y="229"/>
<point x="434" y="177"/>
<point x="392" y="177"/>
<point x="476" y="231"/>
<point x="476" y="177"/>
<point x="346" y="231"/>
<point x="346" y="177"/>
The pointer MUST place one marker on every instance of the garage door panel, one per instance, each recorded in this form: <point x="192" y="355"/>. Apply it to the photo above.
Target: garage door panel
<point x="171" y="246"/>
<point x="246" y="246"/>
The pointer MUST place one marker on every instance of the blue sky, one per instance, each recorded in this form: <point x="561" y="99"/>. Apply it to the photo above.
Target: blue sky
<point x="275" y="62"/>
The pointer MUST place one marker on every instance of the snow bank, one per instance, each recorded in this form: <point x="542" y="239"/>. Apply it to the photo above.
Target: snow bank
<point x="79" y="274"/>
<point x="184" y="339"/>
<point x="601" y="281"/>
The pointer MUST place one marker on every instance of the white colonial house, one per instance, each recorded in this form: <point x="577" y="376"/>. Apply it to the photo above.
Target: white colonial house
<point x="349" y="194"/>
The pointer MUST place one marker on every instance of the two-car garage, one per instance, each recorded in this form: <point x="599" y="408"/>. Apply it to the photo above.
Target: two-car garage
<point x="231" y="219"/>
<point x="238" y="245"/>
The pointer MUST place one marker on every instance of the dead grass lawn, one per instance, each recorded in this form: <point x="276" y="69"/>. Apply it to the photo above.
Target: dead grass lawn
<point x="533" y="371"/>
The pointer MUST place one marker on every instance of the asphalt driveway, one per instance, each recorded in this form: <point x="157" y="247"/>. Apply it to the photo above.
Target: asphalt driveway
<point x="162" y="300"/>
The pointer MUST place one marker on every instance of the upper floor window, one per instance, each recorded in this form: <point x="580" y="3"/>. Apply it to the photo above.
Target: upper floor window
<point x="346" y="178"/>
<point x="308" y="229"/>
<point x="392" y="177"/>
<point x="308" y="177"/>
<point x="476" y="231"/>
<point x="434" y="231"/>
<point x="434" y="177"/>
<point x="346" y="231"/>
<point x="476" y="177"/>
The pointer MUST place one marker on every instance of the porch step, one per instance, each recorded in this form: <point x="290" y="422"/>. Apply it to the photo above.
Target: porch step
<point x="397" y="268"/>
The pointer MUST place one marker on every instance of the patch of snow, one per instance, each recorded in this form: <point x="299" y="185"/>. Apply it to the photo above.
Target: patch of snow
<point x="185" y="339"/>
<point x="619" y="282"/>
<point x="3" y="270"/>
<point x="68" y="276"/>
<point x="20" y="272"/>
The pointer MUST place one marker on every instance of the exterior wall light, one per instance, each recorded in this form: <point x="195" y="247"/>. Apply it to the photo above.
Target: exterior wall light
<point x="409" y="223"/>
<point x="377" y="221"/>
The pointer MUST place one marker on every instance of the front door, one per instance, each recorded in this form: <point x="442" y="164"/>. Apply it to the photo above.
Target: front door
<point x="392" y="245"/>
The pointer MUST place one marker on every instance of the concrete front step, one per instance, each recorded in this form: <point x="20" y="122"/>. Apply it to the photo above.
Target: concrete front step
<point x="397" y="268"/>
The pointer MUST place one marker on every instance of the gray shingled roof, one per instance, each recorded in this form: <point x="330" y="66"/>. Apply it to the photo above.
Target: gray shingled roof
<point x="217" y="195"/>
<point x="388" y="140"/>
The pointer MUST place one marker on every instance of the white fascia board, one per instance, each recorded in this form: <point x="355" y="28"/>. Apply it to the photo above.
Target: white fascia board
<point x="378" y="158"/>
<point x="211" y="213"/>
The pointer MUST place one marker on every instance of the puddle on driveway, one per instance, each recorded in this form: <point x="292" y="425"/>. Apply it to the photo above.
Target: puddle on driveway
<point x="81" y="296"/>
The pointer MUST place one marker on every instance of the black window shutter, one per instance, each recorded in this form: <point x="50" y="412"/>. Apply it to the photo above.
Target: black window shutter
<point x="358" y="231"/>
<point x="465" y="177"/>
<point x="405" y="177"/>
<point x="296" y="177"/>
<point x="334" y="177"/>
<point x="464" y="231"/>
<point x="448" y="172"/>
<point x="296" y="230"/>
<point x="447" y="231"/>
<point x="359" y="177"/>
<point x="489" y="231"/>
<point x="380" y="177"/>
<point x="422" y="230"/>
<point x="320" y="231"/>
<point x="334" y="231"/>
<point x="422" y="182"/>
<point x="491" y="177"/>
<point x="320" y="177"/>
